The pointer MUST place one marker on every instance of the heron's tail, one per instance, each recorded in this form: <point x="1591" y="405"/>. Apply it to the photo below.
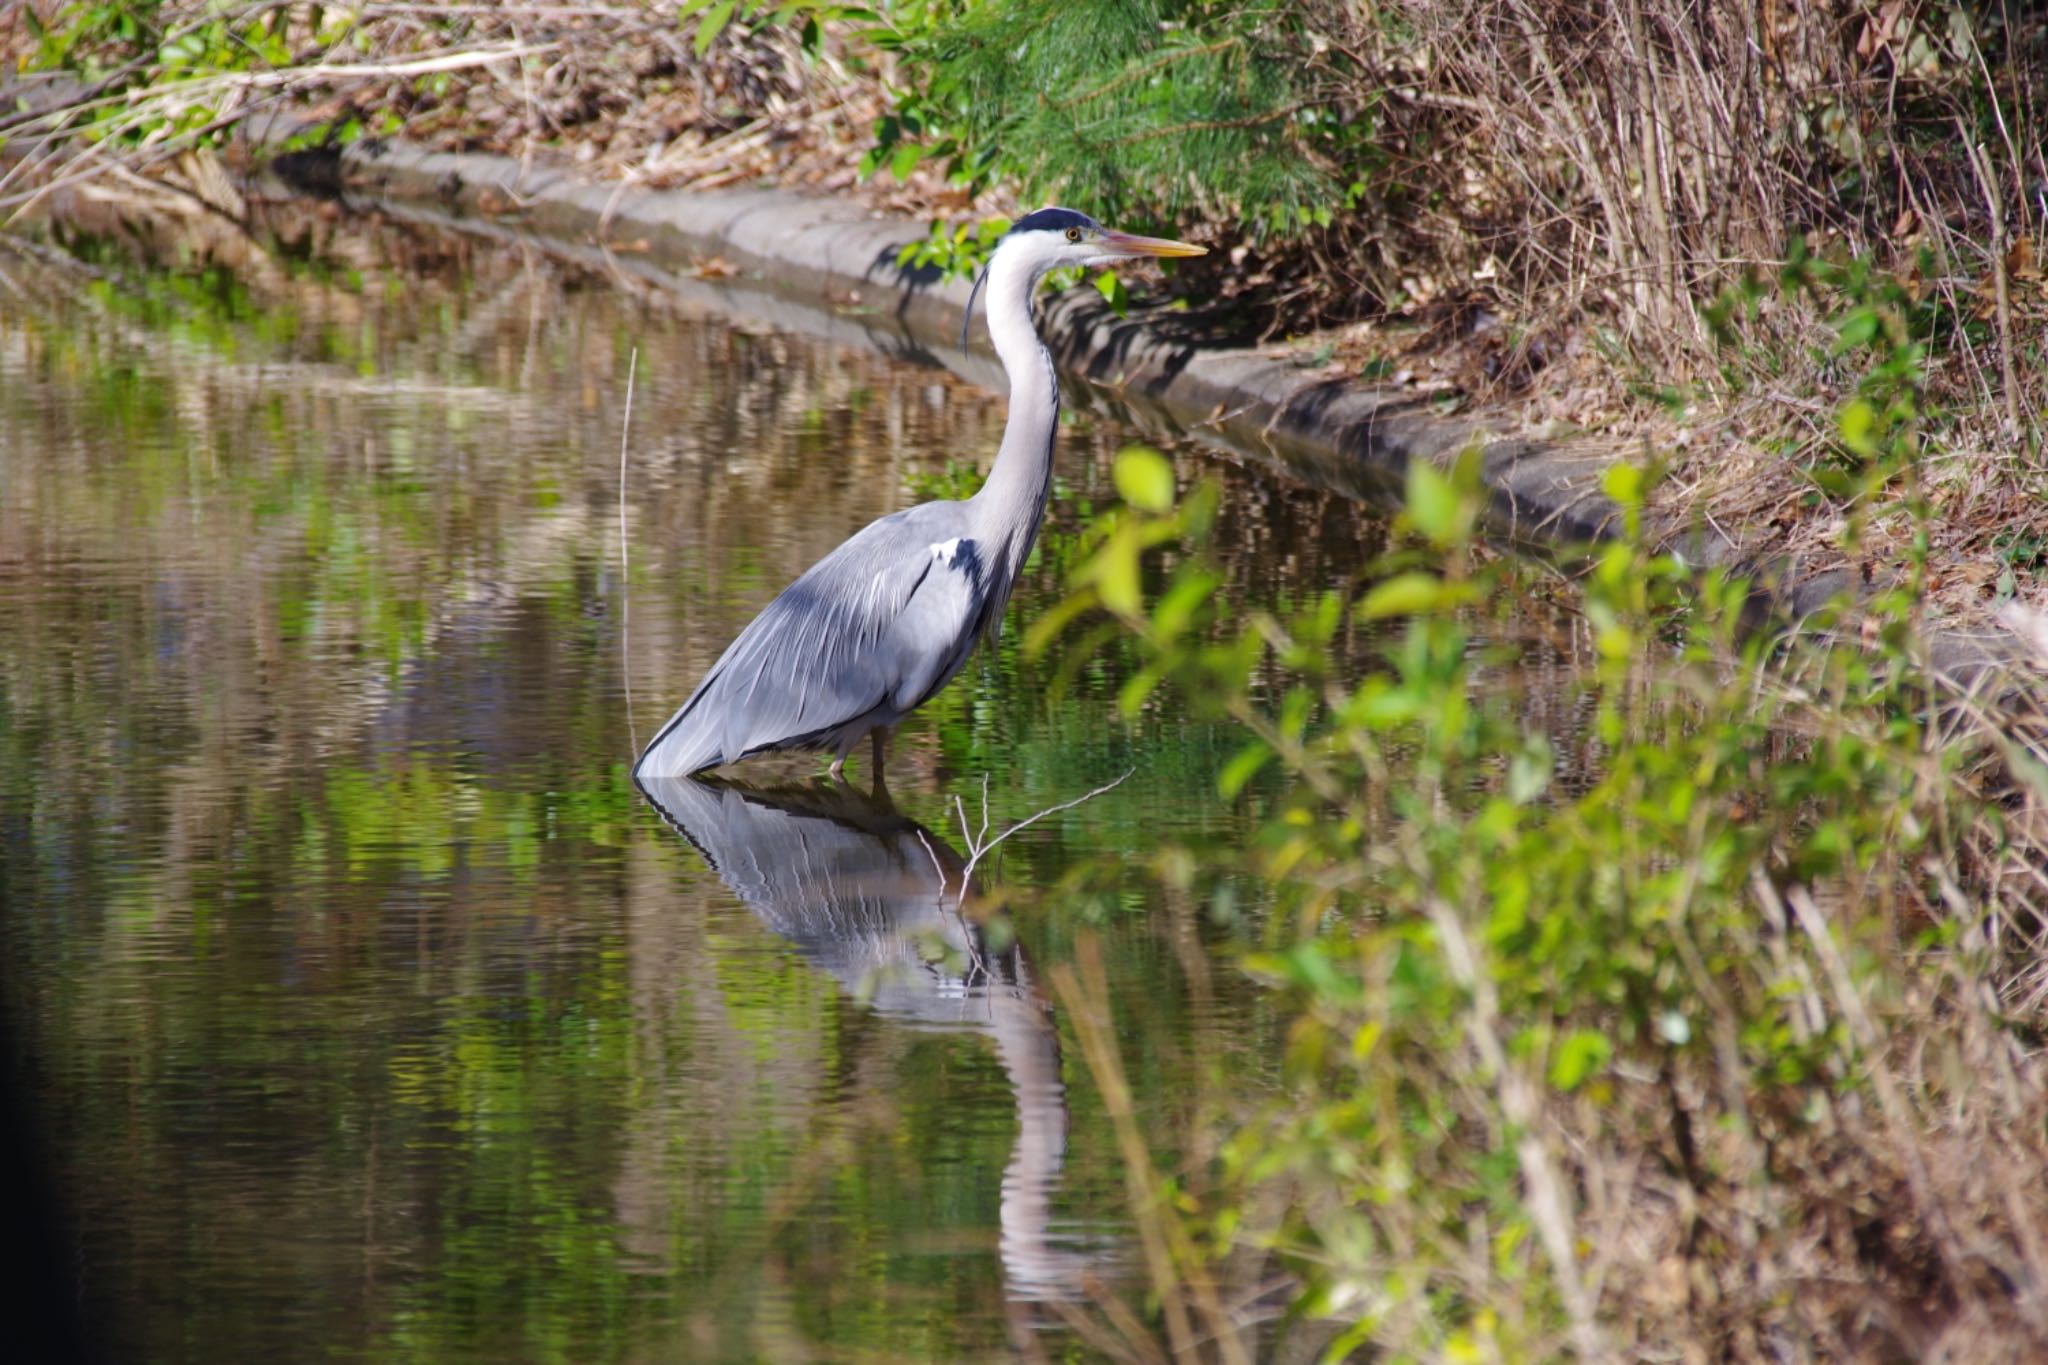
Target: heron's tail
<point x="683" y="746"/>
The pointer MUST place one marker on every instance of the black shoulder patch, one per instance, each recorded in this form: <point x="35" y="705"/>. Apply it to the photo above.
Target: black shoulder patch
<point x="967" y="560"/>
<point x="1053" y="220"/>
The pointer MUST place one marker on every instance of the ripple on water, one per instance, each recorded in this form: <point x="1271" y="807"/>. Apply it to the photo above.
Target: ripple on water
<point x="370" y="1002"/>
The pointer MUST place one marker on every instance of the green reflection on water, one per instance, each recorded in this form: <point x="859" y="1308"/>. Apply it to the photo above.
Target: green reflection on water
<point x="373" y="1014"/>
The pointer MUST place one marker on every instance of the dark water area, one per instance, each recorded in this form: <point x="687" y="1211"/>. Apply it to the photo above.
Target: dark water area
<point x="363" y="1009"/>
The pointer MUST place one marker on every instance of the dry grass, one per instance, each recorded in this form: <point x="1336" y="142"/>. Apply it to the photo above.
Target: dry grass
<point x="615" y="88"/>
<point x="1571" y="182"/>
<point x="1623" y="162"/>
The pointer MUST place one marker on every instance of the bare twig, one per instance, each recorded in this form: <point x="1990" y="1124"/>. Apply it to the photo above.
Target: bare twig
<point x="1870" y="1042"/>
<point x="1520" y="1106"/>
<point x="979" y="850"/>
<point x="933" y="854"/>
<point x="625" y="558"/>
<point x="1994" y="204"/>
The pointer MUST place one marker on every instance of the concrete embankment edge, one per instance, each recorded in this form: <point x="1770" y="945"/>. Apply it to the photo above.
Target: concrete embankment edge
<point x="1352" y="438"/>
<point x="1349" y="437"/>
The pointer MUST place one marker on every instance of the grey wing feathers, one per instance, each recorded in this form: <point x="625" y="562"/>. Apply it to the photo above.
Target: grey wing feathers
<point x="870" y="630"/>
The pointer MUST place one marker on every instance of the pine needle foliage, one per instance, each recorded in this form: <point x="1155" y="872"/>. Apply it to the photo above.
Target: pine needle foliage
<point x="1149" y="112"/>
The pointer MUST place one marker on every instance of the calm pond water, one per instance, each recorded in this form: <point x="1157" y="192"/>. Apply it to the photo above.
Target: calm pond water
<point x="367" y="1010"/>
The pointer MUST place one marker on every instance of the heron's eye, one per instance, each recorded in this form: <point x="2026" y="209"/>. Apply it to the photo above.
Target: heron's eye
<point x="1073" y="234"/>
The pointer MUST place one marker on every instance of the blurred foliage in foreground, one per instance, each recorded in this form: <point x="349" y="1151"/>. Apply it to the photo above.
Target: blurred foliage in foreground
<point x="1727" y="1047"/>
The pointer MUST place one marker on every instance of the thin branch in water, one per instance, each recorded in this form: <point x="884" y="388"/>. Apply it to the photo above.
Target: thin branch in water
<point x="984" y="808"/>
<point x="625" y="558"/>
<point x="979" y="851"/>
<point x="933" y="854"/>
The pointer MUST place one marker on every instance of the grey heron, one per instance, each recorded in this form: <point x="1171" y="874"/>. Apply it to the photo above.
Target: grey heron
<point x="873" y="630"/>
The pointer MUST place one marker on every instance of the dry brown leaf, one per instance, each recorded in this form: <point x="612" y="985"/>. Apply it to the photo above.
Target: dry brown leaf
<point x="2019" y="260"/>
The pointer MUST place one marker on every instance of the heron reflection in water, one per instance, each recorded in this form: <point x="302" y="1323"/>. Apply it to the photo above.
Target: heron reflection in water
<point x="873" y="630"/>
<point x="874" y="899"/>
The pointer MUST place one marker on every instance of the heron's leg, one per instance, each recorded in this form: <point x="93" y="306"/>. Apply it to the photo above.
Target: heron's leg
<point x="879" y="738"/>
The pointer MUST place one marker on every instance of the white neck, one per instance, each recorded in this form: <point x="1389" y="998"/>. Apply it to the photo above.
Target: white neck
<point x="1012" y="502"/>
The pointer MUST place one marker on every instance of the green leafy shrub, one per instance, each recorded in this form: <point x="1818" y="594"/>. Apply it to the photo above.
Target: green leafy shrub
<point x="1718" y="1010"/>
<point x="162" y="71"/>
<point x="1146" y="111"/>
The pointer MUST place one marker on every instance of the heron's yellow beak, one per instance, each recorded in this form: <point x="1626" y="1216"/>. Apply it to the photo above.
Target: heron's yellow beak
<point x="1130" y="244"/>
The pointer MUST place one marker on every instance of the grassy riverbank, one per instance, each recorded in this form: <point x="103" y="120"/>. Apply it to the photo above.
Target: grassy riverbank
<point x="1574" y="216"/>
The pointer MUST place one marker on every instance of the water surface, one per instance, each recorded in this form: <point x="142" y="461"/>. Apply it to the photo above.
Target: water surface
<point x="366" y="1008"/>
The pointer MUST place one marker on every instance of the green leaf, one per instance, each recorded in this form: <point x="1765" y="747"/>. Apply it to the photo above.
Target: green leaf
<point x="1434" y="507"/>
<point x="1623" y="483"/>
<point x="1111" y="286"/>
<point x="1858" y="426"/>
<point x="713" y="22"/>
<point x="1414" y="593"/>
<point x="1858" y="329"/>
<point x="1115" y="571"/>
<point x="1582" y="1054"/>
<point x="1130" y="698"/>
<point x="1176" y="609"/>
<point x="1242" y="768"/>
<point x="1144" y="479"/>
<point x="1308" y="966"/>
<point x="1055" y="619"/>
